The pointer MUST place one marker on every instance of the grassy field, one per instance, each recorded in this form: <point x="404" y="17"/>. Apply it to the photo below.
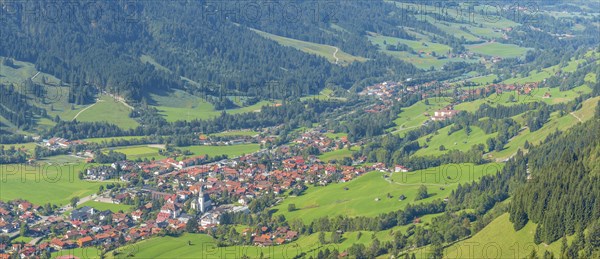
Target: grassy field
<point x="359" y="198"/>
<point x="85" y="252"/>
<point x="109" y="110"/>
<point x="484" y="80"/>
<point x="336" y="135"/>
<point x="556" y="122"/>
<point x="22" y="239"/>
<point x="536" y="95"/>
<point x="204" y="246"/>
<point x="102" y="206"/>
<point x="588" y="108"/>
<point x="56" y="100"/>
<point x="325" y="94"/>
<point x="338" y="154"/>
<point x="135" y="152"/>
<point x="322" y="50"/>
<point x="149" y="152"/>
<point x="230" y="151"/>
<point x="498" y="49"/>
<point x="236" y="133"/>
<point x="150" y="60"/>
<point x="179" y="105"/>
<point x="414" y="116"/>
<point x="102" y="140"/>
<point x="458" y="140"/>
<point x="423" y="47"/>
<point x="500" y="240"/>
<point x="53" y="183"/>
<point x="539" y="76"/>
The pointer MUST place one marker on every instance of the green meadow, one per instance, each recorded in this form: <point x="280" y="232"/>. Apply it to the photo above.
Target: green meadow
<point x="338" y="154"/>
<point x="152" y="151"/>
<point x="108" y="139"/>
<point x="110" y="110"/>
<point x="483" y="80"/>
<point x="325" y="51"/>
<point x="500" y="240"/>
<point x="541" y="74"/>
<point x="141" y="152"/>
<point x="415" y="115"/>
<point x="102" y="206"/>
<point x="230" y="151"/>
<point x="204" y="246"/>
<point x="588" y="107"/>
<point x="83" y="252"/>
<point x="498" y="49"/>
<point x="325" y="94"/>
<point x="47" y="183"/>
<point x="335" y="135"/>
<point x="179" y="105"/>
<point x="556" y="122"/>
<point x="358" y="197"/>
<point x="458" y="140"/>
<point x="236" y="133"/>
<point x="423" y="57"/>
<point x="56" y="100"/>
<point x="536" y="95"/>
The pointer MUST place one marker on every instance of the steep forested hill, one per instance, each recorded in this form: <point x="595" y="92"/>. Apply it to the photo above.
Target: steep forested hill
<point x="100" y="43"/>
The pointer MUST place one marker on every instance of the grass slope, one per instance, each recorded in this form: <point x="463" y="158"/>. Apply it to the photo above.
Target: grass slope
<point x="498" y="49"/>
<point x="414" y="116"/>
<point x="109" y="110"/>
<point x="54" y="183"/>
<point x="204" y="246"/>
<point x="500" y="240"/>
<point x="322" y="50"/>
<point x="179" y="105"/>
<point x="359" y="198"/>
<point x="458" y="140"/>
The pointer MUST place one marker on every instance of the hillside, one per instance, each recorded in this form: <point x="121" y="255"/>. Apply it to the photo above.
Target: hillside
<point x="299" y="129"/>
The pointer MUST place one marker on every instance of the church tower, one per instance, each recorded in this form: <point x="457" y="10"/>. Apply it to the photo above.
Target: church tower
<point x="202" y="202"/>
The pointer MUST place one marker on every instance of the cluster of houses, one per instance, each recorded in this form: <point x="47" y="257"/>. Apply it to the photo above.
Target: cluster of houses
<point x="178" y="187"/>
<point x="60" y="143"/>
<point x="446" y="113"/>
<point x="265" y="236"/>
<point x="383" y="91"/>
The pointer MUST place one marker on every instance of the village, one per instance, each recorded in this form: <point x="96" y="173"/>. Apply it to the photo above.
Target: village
<point x="167" y="195"/>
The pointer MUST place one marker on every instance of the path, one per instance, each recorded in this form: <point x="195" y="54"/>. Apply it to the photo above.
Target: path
<point x="572" y="113"/>
<point x="124" y="103"/>
<point x="35" y="240"/>
<point x="334" y="55"/>
<point x="33" y="77"/>
<point x="77" y="115"/>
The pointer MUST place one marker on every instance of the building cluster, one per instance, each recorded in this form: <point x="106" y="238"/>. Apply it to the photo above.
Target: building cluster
<point x="171" y="193"/>
<point x="60" y="143"/>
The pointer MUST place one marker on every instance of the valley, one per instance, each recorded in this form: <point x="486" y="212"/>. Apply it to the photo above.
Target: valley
<point x="376" y="129"/>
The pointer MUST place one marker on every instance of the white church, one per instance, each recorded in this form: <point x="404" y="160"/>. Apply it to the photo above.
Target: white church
<point x="201" y="202"/>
